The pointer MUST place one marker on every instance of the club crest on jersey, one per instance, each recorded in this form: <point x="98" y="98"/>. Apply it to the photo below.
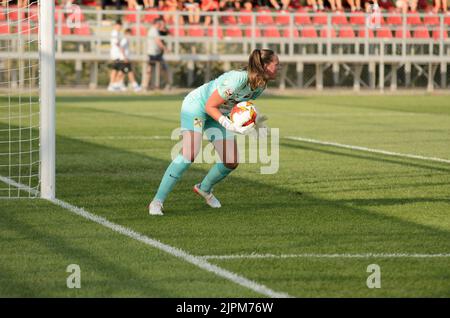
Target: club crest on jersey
<point x="198" y="122"/>
<point x="228" y="92"/>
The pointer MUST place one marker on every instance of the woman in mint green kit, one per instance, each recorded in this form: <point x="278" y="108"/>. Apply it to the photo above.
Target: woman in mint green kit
<point x="205" y="110"/>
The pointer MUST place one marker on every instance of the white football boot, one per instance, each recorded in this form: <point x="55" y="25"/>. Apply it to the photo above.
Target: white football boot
<point x="210" y="199"/>
<point x="156" y="208"/>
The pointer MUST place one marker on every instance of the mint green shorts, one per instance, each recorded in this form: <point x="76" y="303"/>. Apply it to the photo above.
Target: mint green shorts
<point x="194" y="118"/>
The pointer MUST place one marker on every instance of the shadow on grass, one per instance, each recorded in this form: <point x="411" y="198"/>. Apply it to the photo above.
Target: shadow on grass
<point x="264" y="212"/>
<point x="117" y="274"/>
<point x="405" y="162"/>
<point x="120" y="113"/>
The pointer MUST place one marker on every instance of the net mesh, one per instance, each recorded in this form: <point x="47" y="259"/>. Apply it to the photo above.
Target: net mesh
<point x="19" y="98"/>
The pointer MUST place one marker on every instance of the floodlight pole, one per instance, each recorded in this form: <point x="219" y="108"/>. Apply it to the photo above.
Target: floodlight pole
<point x="47" y="98"/>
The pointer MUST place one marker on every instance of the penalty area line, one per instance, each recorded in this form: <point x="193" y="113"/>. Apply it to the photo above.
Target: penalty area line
<point x="174" y="251"/>
<point x="379" y="151"/>
<point x="311" y="255"/>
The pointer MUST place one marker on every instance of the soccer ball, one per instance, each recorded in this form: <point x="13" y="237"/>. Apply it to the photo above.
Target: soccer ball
<point x="241" y="112"/>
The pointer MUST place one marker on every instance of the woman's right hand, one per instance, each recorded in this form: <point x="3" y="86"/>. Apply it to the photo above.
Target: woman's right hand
<point x="229" y="125"/>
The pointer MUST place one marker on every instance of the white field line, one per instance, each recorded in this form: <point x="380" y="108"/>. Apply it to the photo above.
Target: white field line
<point x="311" y="255"/>
<point x="123" y="137"/>
<point x="384" y="152"/>
<point x="195" y="260"/>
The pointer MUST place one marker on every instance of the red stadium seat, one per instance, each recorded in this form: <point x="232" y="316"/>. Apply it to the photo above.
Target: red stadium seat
<point x="421" y="32"/>
<point x="229" y="19"/>
<point x="177" y="31"/>
<point x="437" y="34"/>
<point x="27" y="28"/>
<point x="13" y="13"/>
<point x="447" y="18"/>
<point x="362" y="33"/>
<point x="142" y="30"/>
<point x="287" y="32"/>
<point x="150" y="15"/>
<point x="346" y="32"/>
<point x="131" y="16"/>
<point x="90" y="3"/>
<point x="384" y="32"/>
<point x="59" y="14"/>
<point x="245" y="18"/>
<point x="264" y="16"/>
<point x="233" y="32"/>
<point x="399" y="33"/>
<point x="308" y="32"/>
<point x="394" y="19"/>
<point x="326" y="32"/>
<point x="358" y="18"/>
<point x="219" y="32"/>
<point x="33" y="15"/>
<point x="431" y="19"/>
<point x="272" y="32"/>
<point x="82" y="30"/>
<point x="248" y="33"/>
<point x="413" y="18"/>
<point x="195" y="31"/>
<point x="338" y="18"/>
<point x="320" y="18"/>
<point x="65" y="30"/>
<point x="4" y="28"/>
<point x="283" y="17"/>
<point x="302" y="17"/>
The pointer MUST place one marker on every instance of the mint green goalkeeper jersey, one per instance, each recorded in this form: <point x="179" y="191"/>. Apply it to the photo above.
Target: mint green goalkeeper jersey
<point x="232" y="86"/>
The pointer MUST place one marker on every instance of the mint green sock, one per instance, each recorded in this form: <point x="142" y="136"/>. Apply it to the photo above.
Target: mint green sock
<point x="173" y="173"/>
<point x="217" y="173"/>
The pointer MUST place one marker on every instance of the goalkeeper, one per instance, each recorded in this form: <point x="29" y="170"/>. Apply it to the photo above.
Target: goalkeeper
<point x="206" y="109"/>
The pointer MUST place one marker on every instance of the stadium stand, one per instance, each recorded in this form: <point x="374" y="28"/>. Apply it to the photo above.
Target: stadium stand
<point x="250" y="25"/>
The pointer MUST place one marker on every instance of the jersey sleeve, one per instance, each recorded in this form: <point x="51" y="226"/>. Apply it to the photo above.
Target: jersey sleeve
<point x="231" y="83"/>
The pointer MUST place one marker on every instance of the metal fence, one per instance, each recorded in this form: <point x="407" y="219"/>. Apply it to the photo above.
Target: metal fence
<point x="316" y="49"/>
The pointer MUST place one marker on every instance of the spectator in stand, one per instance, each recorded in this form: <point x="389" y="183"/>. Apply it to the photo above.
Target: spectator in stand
<point x="171" y="6"/>
<point x="209" y="6"/>
<point x="117" y="4"/>
<point x="126" y="68"/>
<point x="116" y="55"/>
<point x="336" y="5"/>
<point x="280" y="4"/>
<point x="403" y="5"/>
<point x="437" y="5"/>
<point x="315" y="5"/>
<point x="261" y="3"/>
<point x="193" y="7"/>
<point x="155" y="50"/>
<point x="230" y="5"/>
<point x="148" y="3"/>
<point x="248" y="6"/>
<point x="133" y="4"/>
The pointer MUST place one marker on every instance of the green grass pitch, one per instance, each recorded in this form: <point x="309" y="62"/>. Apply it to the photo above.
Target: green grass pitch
<point x="323" y="200"/>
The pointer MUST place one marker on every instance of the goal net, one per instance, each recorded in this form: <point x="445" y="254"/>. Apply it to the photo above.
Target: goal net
<point x="21" y="97"/>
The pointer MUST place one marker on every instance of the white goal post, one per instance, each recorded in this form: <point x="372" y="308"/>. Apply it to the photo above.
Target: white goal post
<point x="47" y="97"/>
<point x="27" y="99"/>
